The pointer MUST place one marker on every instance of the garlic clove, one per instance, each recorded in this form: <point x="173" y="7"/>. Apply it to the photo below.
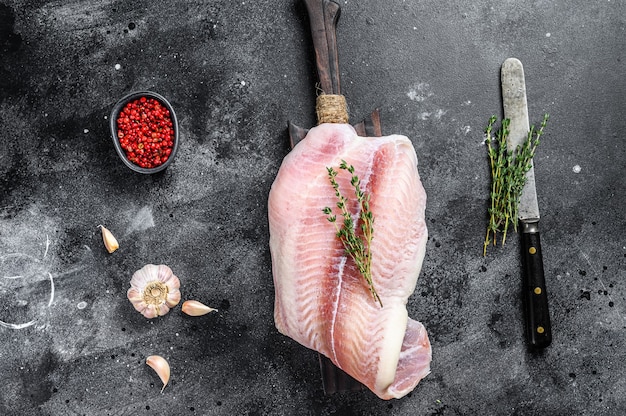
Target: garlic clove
<point x="144" y="275"/>
<point x="161" y="309"/>
<point x="173" y="298"/>
<point x="110" y="242"/>
<point x="134" y="295"/>
<point x="195" y="308"/>
<point x="149" y="311"/>
<point x="161" y="367"/>
<point x="171" y="280"/>
<point x="165" y="274"/>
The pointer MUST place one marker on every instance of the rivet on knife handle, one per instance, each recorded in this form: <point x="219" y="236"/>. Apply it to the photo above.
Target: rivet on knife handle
<point x="538" y="327"/>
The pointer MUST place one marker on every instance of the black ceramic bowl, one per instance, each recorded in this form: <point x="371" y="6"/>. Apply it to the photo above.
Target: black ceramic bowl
<point x="116" y="142"/>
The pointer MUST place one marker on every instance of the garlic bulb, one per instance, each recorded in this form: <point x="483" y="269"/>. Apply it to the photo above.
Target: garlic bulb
<point x="110" y="242"/>
<point x="161" y="367"/>
<point x="195" y="308"/>
<point x="154" y="290"/>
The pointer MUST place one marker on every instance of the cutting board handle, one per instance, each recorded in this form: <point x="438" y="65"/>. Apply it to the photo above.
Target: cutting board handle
<point x="323" y="16"/>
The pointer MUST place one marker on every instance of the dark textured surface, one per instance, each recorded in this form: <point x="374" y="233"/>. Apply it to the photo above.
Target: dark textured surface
<point x="236" y="72"/>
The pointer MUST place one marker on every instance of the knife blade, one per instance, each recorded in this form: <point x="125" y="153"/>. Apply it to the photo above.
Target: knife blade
<point x="535" y="296"/>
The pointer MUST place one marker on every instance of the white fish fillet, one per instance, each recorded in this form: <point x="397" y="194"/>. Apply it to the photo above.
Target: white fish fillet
<point x="322" y="301"/>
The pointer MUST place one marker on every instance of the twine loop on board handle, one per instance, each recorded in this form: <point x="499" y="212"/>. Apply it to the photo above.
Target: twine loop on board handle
<point x="331" y="108"/>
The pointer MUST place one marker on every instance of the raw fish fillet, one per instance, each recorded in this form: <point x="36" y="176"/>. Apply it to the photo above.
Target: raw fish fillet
<point x="322" y="301"/>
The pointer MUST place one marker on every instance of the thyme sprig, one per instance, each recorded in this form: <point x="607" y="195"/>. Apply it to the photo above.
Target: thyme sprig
<point x="357" y="246"/>
<point x="508" y="176"/>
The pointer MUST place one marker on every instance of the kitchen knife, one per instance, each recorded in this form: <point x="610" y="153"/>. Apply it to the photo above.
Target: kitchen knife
<point x="538" y="327"/>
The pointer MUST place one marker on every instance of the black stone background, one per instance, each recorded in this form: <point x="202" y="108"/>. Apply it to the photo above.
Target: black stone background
<point x="236" y="72"/>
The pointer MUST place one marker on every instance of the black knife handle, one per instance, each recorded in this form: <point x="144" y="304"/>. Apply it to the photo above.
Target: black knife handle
<point x="538" y="327"/>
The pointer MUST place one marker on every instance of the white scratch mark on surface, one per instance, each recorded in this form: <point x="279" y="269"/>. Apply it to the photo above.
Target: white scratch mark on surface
<point x="436" y="115"/>
<point x="440" y="113"/>
<point x="45" y="253"/>
<point x="4" y="258"/>
<point x="420" y="92"/>
<point x="73" y="270"/>
<point x="142" y="220"/>
<point x="16" y="326"/>
<point x="51" y="290"/>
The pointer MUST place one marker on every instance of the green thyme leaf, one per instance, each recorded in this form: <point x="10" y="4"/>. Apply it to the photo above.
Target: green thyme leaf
<point x="356" y="246"/>
<point x="508" y="176"/>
